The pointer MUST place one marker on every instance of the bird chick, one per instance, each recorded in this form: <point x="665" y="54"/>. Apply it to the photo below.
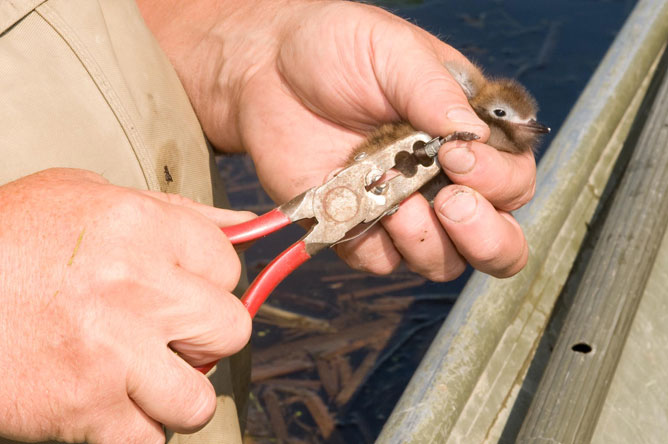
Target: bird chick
<point x="503" y="104"/>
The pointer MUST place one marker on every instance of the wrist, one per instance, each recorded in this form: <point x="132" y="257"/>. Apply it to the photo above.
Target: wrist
<point x="216" y="47"/>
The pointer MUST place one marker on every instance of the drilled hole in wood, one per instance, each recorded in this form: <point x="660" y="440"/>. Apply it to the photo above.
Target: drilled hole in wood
<point x="581" y="347"/>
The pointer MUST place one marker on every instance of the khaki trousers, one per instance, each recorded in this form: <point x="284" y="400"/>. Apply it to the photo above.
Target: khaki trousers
<point x="83" y="84"/>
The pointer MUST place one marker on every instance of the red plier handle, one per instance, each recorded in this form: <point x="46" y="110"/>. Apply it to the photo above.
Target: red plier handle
<point x="277" y="270"/>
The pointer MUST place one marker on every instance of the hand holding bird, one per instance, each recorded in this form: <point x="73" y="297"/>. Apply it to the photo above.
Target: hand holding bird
<point x="329" y="73"/>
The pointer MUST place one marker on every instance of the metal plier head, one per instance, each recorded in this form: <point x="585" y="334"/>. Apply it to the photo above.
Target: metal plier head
<point x="372" y="187"/>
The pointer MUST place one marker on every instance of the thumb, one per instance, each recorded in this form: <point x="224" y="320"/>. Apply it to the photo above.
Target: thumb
<point x="424" y="91"/>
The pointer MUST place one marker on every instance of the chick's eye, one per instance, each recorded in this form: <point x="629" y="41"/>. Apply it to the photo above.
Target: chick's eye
<point x="499" y="113"/>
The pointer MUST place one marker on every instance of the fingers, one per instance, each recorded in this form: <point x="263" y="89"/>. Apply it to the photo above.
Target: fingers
<point x="373" y="252"/>
<point x="170" y="391"/>
<point x="200" y="247"/>
<point x="220" y="217"/>
<point x="199" y="316"/>
<point x="137" y="427"/>
<point x="206" y="323"/>
<point x="507" y="180"/>
<point x="413" y="234"/>
<point x="196" y="316"/>
<point x="463" y="228"/>
<point x="423" y="91"/>
<point x="489" y="240"/>
<point x="419" y="238"/>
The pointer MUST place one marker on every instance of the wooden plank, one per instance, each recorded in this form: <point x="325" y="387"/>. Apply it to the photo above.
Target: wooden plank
<point x="302" y="383"/>
<point x="273" y="407"/>
<point x="351" y="338"/>
<point x="329" y="376"/>
<point x="574" y="386"/>
<point x="468" y="381"/>
<point x="382" y="289"/>
<point x="316" y="407"/>
<point x="280" y="368"/>
<point x="272" y="315"/>
<point x="320" y="413"/>
<point x="358" y="378"/>
<point x="635" y="409"/>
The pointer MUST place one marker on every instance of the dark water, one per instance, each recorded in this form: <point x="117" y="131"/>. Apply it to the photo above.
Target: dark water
<point x="552" y="47"/>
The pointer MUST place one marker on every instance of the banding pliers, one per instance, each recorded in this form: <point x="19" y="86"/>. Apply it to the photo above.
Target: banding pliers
<point x="370" y="188"/>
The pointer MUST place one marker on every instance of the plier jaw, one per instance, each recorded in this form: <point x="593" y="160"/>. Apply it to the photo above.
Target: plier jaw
<point x="368" y="189"/>
<point x="361" y="193"/>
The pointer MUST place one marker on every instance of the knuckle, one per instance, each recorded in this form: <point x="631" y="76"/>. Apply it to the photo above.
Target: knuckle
<point x="499" y="258"/>
<point x="142" y="433"/>
<point x="448" y="272"/>
<point x="91" y="176"/>
<point x="380" y="261"/>
<point x="130" y="206"/>
<point x="122" y="216"/>
<point x="452" y="272"/>
<point x="374" y="252"/>
<point x="146" y="435"/>
<point x="233" y="269"/>
<point x="529" y="192"/>
<point x="489" y="253"/>
<point x="221" y="265"/>
<point x="522" y="196"/>
<point x="203" y="404"/>
<point x="115" y="272"/>
<point x="377" y="264"/>
<point x="71" y="173"/>
<point x="176" y="199"/>
<point x="380" y="269"/>
<point x="519" y="185"/>
<point x="225" y="329"/>
<point x="240" y="325"/>
<point x="515" y="266"/>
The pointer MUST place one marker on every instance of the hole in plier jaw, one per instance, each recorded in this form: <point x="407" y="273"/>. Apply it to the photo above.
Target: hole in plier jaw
<point x="421" y="155"/>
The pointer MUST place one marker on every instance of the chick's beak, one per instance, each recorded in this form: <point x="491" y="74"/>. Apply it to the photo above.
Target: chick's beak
<point x="536" y="127"/>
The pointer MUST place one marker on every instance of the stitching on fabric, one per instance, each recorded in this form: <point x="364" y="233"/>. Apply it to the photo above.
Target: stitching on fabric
<point x="106" y="89"/>
<point x="14" y="12"/>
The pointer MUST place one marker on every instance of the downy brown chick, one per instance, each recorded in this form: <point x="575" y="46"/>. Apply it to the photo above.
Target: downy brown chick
<point x="503" y="104"/>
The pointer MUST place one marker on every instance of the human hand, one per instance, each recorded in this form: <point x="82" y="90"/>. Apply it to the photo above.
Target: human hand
<point x="299" y="84"/>
<point x="101" y="285"/>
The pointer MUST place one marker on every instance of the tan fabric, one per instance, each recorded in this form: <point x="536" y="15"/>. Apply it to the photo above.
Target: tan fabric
<point x="84" y="84"/>
<point x="11" y="11"/>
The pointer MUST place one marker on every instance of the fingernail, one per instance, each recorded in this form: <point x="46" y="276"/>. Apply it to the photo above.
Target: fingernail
<point x="459" y="160"/>
<point x="461" y="114"/>
<point x="460" y="207"/>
